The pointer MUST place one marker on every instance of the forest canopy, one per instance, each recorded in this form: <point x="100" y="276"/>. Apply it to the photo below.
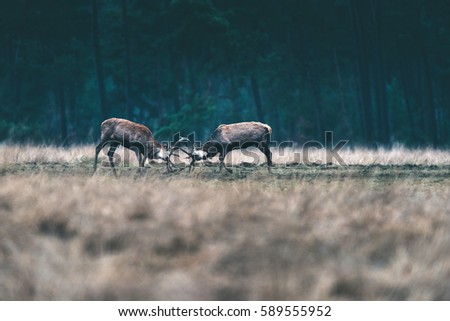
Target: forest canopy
<point x="375" y="72"/>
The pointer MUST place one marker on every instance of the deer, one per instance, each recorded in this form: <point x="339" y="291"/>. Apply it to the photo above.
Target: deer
<point x="225" y="138"/>
<point x="134" y="136"/>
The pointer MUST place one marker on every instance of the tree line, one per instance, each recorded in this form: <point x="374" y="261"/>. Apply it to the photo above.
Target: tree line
<point x="375" y="72"/>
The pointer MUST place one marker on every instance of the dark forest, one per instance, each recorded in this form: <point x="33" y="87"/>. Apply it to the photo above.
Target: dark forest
<point x="375" y="72"/>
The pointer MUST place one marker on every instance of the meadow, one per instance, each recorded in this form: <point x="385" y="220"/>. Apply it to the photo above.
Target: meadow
<point x="377" y="228"/>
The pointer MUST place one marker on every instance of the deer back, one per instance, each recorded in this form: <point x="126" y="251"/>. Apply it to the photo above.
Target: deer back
<point x="241" y="133"/>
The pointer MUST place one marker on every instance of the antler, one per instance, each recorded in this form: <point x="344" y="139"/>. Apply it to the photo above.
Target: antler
<point x="176" y="147"/>
<point x="190" y="155"/>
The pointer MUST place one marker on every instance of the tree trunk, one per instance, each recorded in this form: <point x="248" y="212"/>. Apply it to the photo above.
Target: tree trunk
<point x="126" y="35"/>
<point x="257" y="97"/>
<point x="431" y="110"/>
<point x="380" y="82"/>
<point x="408" y="92"/>
<point x="72" y="119"/>
<point x="316" y="97"/>
<point x="62" y="113"/>
<point x="174" y="92"/>
<point x="98" y="61"/>
<point x="191" y="77"/>
<point x="14" y="77"/>
<point x="290" y="130"/>
<point x="347" y="129"/>
<point x="159" y="90"/>
<point x="363" y="69"/>
<point x="427" y="85"/>
<point x="234" y="95"/>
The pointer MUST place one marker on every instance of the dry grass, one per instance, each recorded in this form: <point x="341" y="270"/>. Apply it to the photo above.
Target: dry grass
<point x="19" y="154"/>
<point x="397" y="155"/>
<point x="362" y="232"/>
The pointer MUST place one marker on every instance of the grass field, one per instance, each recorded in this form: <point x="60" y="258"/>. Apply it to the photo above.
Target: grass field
<point x="377" y="228"/>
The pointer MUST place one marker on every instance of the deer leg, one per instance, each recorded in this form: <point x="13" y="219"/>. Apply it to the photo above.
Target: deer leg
<point x="221" y="158"/>
<point x="191" y="164"/>
<point x="222" y="162"/>
<point x="139" y="157"/>
<point x="266" y="150"/>
<point x="111" y="152"/>
<point x="97" y="151"/>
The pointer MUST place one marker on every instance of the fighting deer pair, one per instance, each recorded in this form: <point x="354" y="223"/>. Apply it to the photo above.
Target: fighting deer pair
<point x="224" y="139"/>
